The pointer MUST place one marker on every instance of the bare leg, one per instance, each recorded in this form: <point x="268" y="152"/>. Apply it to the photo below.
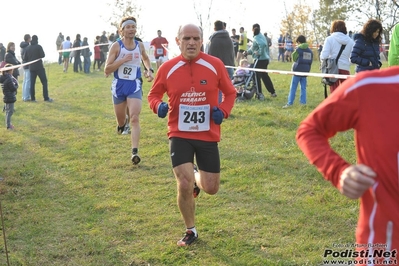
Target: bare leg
<point x="185" y="182"/>
<point x="66" y="64"/>
<point x="184" y="174"/>
<point x="120" y="113"/>
<point x="239" y="56"/>
<point x="127" y="131"/>
<point x="134" y="106"/>
<point x="208" y="182"/>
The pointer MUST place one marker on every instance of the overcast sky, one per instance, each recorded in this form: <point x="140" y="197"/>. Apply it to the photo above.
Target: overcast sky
<point x="89" y="18"/>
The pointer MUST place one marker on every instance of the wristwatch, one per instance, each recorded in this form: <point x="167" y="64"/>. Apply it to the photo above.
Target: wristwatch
<point x="152" y="70"/>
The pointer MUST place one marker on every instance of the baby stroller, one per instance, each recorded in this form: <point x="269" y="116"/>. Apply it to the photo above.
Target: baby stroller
<point x="247" y="87"/>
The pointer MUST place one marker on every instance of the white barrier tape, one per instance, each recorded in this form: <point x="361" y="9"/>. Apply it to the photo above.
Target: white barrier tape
<point x="321" y="75"/>
<point x="307" y="74"/>
<point x="80" y="48"/>
<point x="282" y="45"/>
<point x="18" y="66"/>
<point x="74" y="49"/>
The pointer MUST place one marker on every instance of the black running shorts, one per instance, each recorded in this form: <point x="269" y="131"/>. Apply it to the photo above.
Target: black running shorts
<point x="206" y="153"/>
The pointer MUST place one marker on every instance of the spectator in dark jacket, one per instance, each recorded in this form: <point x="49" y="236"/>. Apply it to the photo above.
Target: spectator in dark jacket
<point x="9" y="85"/>
<point x="11" y="59"/>
<point x="366" y="51"/>
<point x="2" y="52"/>
<point x="86" y="56"/>
<point x="104" y="46"/>
<point x="269" y="40"/>
<point x="281" y="41"/>
<point x="221" y="46"/>
<point x="32" y="53"/>
<point x="235" y="38"/>
<point x="77" y="62"/>
<point x="269" y="43"/>
<point x="26" y="82"/>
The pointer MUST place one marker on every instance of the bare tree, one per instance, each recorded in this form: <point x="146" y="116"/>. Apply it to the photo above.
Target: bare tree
<point x="298" y="22"/>
<point x="385" y="11"/>
<point x="122" y="9"/>
<point x="328" y="11"/>
<point x="202" y="9"/>
<point x="357" y="11"/>
<point x="287" y="24"/>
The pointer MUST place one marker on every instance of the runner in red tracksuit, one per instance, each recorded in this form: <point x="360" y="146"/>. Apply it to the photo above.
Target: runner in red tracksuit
<point x="192" y="82"/>
<point x="368" y="104"/>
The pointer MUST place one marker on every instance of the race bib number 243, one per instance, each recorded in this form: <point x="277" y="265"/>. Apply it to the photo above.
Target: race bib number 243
<point x="194" y="118"/>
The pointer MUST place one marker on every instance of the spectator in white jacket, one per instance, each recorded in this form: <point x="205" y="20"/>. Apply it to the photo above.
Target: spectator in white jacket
<point x="331" y="48"/>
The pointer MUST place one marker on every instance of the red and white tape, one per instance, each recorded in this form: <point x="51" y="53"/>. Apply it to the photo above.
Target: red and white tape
<point x="308" y="74"/>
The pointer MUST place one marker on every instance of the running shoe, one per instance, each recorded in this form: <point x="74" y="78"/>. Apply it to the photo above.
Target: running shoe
<point x="188" y="239"/>
<point x="119" y="129"/>
<point x="135" y="158"/>
<point x="126" y="131"/>
<point x="261" y="97"/>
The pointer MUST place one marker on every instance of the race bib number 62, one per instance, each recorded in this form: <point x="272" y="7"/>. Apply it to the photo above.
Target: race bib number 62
<point x="194" y="117"/>
<point x="127" y="71"/>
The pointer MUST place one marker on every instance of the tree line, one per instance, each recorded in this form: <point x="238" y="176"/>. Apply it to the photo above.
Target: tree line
<point x="315" y="23"/>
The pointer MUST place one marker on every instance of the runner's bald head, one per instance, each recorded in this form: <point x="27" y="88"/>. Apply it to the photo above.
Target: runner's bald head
<point x="191" y="27"/>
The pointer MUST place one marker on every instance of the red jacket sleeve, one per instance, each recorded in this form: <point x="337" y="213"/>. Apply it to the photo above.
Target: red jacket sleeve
<point x="337" y="113"/>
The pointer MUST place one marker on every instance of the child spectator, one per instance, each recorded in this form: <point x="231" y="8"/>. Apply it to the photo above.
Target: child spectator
<point x="303" y="58"/>
<point x="239" y="75"/>
<point x="9" y="85"/>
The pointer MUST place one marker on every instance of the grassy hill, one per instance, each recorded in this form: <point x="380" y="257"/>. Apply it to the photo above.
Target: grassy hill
<point x="71" y="196"/>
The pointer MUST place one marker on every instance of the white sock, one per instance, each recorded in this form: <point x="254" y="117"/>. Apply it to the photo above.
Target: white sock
<point x="193" y="230"/>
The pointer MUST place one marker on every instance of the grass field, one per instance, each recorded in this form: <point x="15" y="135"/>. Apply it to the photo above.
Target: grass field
<point x="71" y="196"/>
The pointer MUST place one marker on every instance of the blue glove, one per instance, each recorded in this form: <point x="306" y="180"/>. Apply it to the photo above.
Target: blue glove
<point x="163" y="110"/>
<point x="217" y="115"/>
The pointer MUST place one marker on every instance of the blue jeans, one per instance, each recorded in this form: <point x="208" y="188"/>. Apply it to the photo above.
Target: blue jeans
<point x="26" y="85"/>
<point x="230" y="71"/>
<point x="9" y="107"/>
<point x="280" y="54"/>
<point x="60" y="58"/>
<point x="294" y="85"/>
<point x="86" y="64"/>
